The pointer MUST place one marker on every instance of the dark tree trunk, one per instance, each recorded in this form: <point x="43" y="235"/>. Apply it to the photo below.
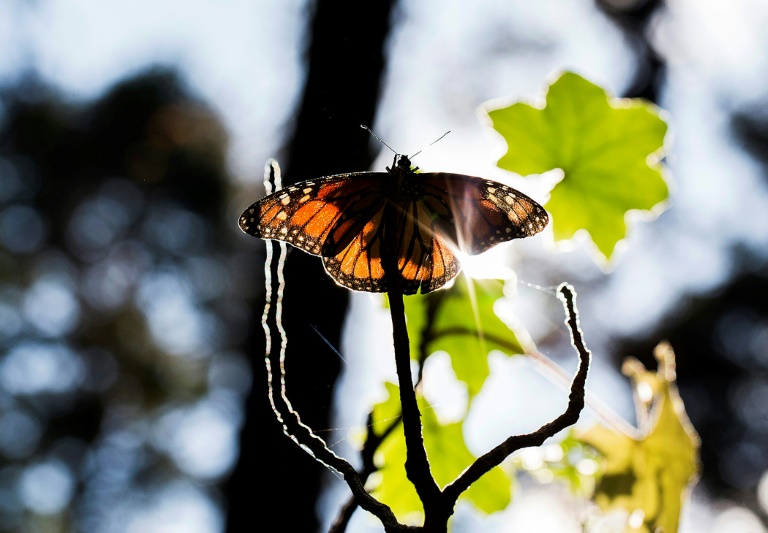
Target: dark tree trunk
<point x="274" y="479"/>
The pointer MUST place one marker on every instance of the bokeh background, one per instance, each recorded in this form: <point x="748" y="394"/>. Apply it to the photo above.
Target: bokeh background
<point x="132" y="134"/>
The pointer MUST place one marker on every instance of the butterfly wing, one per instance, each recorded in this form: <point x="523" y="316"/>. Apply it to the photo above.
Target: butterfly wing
<point x="305" y="214"/>
<point x="353" y="255"/>
<point x="341" y="218"/>
<point x="337" y="217"/>
<point x="423" y="259"/>
<point x="484" y="212"/>
<point x="449" y="211"/>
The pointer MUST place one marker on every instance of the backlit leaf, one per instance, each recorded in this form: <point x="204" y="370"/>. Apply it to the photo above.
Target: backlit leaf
<point x="648" y="476"/>
<point x="448" y="457"/>
<point x="609" y="150"/>
<point x="461" y="321"/>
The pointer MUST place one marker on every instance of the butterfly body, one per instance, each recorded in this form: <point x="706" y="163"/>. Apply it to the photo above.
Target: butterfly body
<point x="357" y="221"/>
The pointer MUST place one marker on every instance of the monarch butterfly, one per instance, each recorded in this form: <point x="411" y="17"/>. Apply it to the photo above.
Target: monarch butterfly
<point x="351" y="220"/>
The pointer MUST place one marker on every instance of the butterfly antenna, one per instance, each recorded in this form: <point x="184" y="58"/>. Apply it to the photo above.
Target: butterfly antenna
<point x="366" y="128"/>
<point x="430" y="144"/>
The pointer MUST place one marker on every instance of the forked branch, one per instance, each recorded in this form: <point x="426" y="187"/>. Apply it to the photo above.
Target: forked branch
<point x="494" y="457"/>
<point x="292" y="425"/>
<point x="439" y="504"/>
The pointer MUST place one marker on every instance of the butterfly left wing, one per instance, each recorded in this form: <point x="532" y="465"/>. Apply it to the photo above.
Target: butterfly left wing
<point x="352" y="256"/>
<point x="305" y="214"/>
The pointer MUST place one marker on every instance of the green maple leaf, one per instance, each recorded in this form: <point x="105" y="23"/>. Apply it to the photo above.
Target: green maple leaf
<point x="609" y="151"/>
<point x="648" y="476"/>
<point x="448" y="457"/>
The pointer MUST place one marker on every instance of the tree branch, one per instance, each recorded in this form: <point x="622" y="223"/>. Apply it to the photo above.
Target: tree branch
<point x="494" y="457"/>
<point x="372" y="443"/>
<point x="416" y="463"/>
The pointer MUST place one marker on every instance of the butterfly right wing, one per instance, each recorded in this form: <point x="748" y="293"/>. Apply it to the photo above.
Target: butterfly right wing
<point x="484" y="212"/>
<point x="305" y="214"/>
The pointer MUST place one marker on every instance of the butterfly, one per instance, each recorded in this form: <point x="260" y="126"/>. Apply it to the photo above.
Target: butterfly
<point x="352" y="220"/>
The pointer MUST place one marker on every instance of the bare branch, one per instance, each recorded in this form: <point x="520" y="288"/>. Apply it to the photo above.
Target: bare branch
<point x="292" y="425"/>
<point x="494" y="457"/>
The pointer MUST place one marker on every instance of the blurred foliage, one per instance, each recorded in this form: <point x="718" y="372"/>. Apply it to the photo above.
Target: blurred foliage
<point x="567" y="460"/>
<point x="608" y="149"/>
<point x="115" y="275"/>
<point x="461" y="321"/>
<point x="448" y="457"/>
<point x="643" y="479"/>
<point x="721" y="351"/>
<point x="648" y="476"/>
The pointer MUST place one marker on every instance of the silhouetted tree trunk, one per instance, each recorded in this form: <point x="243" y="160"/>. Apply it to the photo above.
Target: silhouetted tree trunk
<point x="633" y="19"/>
<point x="274" y="478"/>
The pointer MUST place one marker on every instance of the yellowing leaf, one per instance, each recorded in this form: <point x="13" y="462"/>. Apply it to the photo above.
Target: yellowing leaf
<point x="608" y="149"/>
<point x="649" y="476"/>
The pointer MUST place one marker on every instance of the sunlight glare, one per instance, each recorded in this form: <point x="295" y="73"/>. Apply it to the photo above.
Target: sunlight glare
<point x="644" y="392"/>
<point x="635" y="520"/>
<point x="488" y="265"/>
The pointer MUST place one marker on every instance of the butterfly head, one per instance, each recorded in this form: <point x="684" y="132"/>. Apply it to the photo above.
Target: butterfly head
<point x="402" y="163"/>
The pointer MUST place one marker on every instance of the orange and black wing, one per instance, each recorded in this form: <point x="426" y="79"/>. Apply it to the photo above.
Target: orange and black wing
<point x="485" y="213"/>
<point x="353" y="250"/>
<point x="458" y="212"/>
<point x="305" y="214"/>
<point x="352" y="254"/>
<point x="424" y="257"/>
<point x="337" y="217"/>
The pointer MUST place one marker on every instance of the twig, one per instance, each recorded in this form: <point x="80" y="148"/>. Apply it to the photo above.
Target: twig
<point x="494" y="457"/>
<point x="292" y="425"/>
<point x="372" y="442"/>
